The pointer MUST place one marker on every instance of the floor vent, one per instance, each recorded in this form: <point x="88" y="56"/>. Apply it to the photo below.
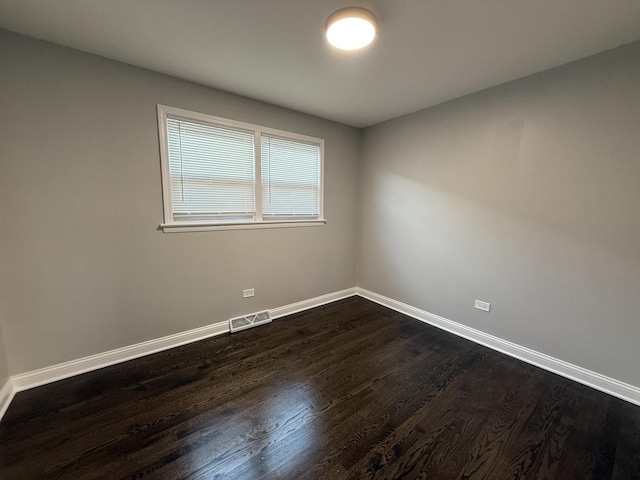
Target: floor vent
<point x="248" y="321"/>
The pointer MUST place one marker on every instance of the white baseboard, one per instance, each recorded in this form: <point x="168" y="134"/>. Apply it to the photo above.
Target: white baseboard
<point x="311" y="303"/>
<point x="592" y="379"/>
<point x="42" y="376"/>
<point x="35" y="378"/>
<point x="61" y="371"/>
<point x="6" y="395"/>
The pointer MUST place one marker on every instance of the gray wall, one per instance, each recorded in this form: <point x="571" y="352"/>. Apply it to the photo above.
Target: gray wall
<point x="84" y="268"/>
<point x="527" y="196"/>
<point x="4" y="361"/>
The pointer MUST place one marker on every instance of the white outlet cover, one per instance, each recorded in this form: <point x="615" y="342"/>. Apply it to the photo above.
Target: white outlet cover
<point x="248" y="293"/>
<point x="484" y="306"/>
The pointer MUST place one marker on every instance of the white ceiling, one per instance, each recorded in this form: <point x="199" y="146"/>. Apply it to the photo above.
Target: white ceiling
<point x="428" y="51"/>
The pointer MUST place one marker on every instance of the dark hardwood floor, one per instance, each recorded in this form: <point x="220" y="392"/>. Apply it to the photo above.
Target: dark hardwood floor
<point x="350" y="390"/>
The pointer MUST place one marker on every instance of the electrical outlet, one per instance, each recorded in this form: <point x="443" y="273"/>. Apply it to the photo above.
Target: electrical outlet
<point x="484" y="306"/>
<point x="248" y="293"/>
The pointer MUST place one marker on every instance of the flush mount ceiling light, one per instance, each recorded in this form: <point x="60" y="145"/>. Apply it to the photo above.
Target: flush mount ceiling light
<point x="351" y="28"/>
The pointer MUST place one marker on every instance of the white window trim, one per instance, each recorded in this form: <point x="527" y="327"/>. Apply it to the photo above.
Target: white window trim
<point x="170" y="226"/>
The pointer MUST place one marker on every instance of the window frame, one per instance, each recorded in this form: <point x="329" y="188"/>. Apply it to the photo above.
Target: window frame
<point x="170" y="225"/>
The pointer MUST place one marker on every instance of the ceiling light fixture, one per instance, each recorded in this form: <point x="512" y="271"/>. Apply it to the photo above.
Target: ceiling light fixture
<point x="351" y="28"/>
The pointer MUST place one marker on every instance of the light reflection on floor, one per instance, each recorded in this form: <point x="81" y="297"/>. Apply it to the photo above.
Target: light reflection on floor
<point x="273" y="437"/>
<point x="291" y="434"/>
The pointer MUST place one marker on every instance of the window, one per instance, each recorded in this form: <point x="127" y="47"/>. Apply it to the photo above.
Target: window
<point x="222" y="174"/>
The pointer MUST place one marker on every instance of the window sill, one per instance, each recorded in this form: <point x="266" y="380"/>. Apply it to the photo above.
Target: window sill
<point x="207" y="227"/>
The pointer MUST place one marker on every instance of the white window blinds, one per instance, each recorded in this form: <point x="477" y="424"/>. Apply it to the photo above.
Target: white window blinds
<point x="291" y="172"/>
<point x="212" y="170"/>
<point x="221" y="174"/>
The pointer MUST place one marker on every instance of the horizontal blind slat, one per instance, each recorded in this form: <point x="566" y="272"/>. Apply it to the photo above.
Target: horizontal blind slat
<point x="212" y="169"/>
<point x="290" y="177"/>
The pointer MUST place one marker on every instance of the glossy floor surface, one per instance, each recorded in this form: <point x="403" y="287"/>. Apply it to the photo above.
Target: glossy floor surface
<point x="350" y="390"/>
